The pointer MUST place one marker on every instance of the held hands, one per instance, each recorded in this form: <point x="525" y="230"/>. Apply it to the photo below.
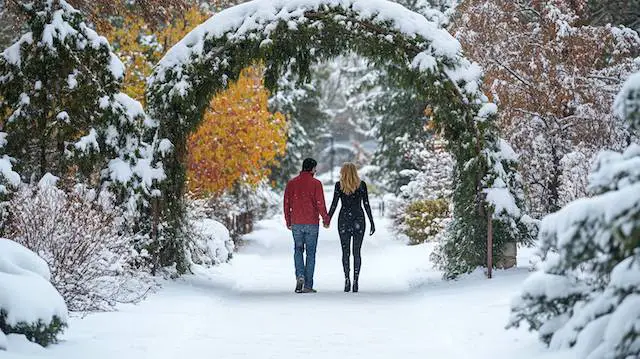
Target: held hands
<point x="327" y="223"/>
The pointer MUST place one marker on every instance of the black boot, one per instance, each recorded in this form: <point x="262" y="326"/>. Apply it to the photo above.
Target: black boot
<point x="347" y="284"/>
<point x="355" y="284"/>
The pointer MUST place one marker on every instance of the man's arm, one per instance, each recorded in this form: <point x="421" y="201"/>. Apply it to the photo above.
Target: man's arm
<point x="322" y="207"/>
<point x="287" y="205"/>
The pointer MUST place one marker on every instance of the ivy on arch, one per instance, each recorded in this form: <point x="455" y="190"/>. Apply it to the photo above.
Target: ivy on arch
<point x="295" y="34"/>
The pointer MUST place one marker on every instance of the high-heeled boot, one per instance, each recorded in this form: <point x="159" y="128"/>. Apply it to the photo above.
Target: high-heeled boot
<point x="347" y="284"/>
<point x="355" y="284"/>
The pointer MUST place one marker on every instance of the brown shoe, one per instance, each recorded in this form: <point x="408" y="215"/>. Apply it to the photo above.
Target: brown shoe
<point x="309" y="290"/>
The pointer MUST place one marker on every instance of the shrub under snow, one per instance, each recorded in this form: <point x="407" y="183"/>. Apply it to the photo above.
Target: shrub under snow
<point x="210" y="243"/>
<point x="29" y="304"/>
<point x="79" y="235"/>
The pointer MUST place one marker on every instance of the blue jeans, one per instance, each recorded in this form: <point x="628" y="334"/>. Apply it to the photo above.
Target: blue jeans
<point x="305" y="237"/>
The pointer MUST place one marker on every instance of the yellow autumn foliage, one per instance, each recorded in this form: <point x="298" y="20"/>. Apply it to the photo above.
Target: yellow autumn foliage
<point x="238" y="139"/>
<point x="140" y="49"/>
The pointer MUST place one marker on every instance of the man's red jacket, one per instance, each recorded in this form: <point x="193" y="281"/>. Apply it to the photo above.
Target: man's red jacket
<point x="304" y="201"/>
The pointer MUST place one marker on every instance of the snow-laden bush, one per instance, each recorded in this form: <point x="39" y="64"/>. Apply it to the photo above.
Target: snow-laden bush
<point x="237" y="209"/>
<point x="587" y="294"/>
<point x="209" y="243"/>
<point x="29" y="304"/>
<point x="80" y="236"/>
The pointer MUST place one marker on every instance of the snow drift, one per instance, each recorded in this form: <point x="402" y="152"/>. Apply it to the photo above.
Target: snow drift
<point x="29" y="304"/>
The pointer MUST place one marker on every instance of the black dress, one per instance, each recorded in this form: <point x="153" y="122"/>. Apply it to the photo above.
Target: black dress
<point x="351" y="223"/>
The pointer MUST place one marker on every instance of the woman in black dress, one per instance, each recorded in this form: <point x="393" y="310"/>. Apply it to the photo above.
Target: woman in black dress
<point x="351" y="225"/>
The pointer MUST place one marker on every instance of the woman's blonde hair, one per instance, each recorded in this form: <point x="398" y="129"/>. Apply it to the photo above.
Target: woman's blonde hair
<point x="349" y="179"/>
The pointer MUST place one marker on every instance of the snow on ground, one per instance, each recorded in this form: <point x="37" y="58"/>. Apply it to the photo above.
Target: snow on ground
<point x="265" y="263"/>
<point x="247" y="309"/>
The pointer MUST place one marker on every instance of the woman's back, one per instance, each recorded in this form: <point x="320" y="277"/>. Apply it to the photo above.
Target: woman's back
<point x="351" y="202"/>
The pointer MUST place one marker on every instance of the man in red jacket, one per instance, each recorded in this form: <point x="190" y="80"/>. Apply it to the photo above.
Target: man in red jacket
<point x="303" y="205"/>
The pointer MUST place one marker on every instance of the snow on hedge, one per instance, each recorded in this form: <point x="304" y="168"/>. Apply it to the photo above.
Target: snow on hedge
<point x="26" y="295"/>
<point x="259" y="18"/>
<point x="263" y="15"/>
<point x="504" y="192"/>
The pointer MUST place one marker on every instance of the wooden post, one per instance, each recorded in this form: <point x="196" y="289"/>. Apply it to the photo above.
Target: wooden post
<point x="490" y="245"/>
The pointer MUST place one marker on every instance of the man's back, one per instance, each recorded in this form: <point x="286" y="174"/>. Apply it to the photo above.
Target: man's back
<point x="304" y="200"/>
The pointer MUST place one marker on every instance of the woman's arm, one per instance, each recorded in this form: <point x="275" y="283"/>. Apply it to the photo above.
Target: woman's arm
<point x="334" y="202"/>
<point x="367" y="207"/>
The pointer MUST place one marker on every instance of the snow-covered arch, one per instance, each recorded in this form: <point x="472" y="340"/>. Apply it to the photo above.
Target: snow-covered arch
<point x="277" y="32"/>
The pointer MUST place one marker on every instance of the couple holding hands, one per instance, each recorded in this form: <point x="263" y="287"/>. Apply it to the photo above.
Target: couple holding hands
<point x="304" y="205"/>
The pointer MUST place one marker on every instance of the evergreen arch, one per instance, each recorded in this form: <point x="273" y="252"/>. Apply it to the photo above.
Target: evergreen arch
<point x="294" y="34"/>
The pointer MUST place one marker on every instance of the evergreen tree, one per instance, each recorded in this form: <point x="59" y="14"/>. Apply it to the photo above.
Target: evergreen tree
<point x="62" y="111"/>
<point x="399" y="121"/>
<point x="615" y="12"/>
<point x="300" y="102"/>
<point x="398" y="114"/>
<point x="345" y="91"/>
<point x="421" y="210"/>
<point x="588" y="290"/>
<point x="464" y="247"/>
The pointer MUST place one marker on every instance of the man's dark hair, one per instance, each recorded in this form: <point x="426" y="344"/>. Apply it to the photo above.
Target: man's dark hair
<point x="309" y="164"/>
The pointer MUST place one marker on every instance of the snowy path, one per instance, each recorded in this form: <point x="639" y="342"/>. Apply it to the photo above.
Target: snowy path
<point x="248" y="310"/>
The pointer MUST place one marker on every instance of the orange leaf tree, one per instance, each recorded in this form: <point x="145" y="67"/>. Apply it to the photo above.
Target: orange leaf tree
<point x="238" y="140"/>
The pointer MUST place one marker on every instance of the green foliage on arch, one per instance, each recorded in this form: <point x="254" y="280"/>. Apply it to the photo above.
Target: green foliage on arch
<point x="291" y="36"/>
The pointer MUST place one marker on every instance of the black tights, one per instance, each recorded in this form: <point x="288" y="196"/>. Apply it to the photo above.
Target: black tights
<point x="345" y="241"/>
